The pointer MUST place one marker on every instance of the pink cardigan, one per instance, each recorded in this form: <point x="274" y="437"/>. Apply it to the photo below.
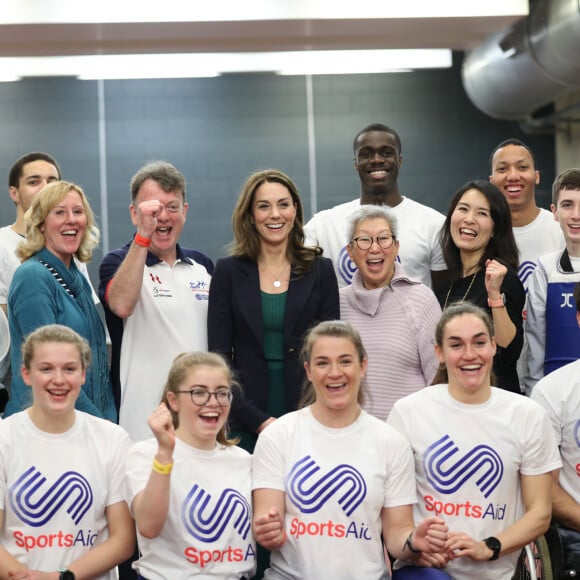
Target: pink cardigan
<point x="397" y="326"/>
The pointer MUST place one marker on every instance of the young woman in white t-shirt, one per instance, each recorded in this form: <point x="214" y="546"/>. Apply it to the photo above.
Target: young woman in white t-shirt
<point x="330" y="481"/>
<point x="62" y="508"/>
<point x="483" y="455"/>
<point x="189" y="487"/>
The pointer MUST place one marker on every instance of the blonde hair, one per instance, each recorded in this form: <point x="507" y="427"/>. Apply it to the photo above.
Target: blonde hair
<point x="182" y="365"/>
<point x="42" y="204"/>
<point x="59" y="334"/>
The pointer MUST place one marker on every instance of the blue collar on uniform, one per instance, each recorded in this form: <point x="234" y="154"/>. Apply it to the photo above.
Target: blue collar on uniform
<point x="152" y="259"/>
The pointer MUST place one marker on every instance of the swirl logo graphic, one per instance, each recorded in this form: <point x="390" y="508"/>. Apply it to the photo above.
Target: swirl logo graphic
<point x="447" y="473"/>
<point x="309" y="494"/>
<point x="525" y="270"/>
<point x="36" y="507"/>
<point x="346" y="267"/>
<point x="206" y="524"/>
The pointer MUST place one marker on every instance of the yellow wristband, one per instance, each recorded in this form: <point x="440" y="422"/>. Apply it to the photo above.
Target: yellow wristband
<point x="162" y="469"/>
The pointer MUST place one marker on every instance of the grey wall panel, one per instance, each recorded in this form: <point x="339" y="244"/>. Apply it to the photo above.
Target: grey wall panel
<point x="219" y="130"/>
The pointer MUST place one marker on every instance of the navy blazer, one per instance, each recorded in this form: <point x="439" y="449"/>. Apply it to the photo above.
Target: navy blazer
<point x="235" y="329"/>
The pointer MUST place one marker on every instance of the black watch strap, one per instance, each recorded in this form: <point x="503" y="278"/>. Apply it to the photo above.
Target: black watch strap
<point x="494" y="545"/>
<point x="66" y="575"/>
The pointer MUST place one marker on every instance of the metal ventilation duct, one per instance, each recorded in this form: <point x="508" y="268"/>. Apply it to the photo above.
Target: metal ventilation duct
<point x="515" y="72"/>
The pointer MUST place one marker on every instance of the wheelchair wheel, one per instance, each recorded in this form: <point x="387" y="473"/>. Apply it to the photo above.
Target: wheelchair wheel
<point x="535" y="562"/>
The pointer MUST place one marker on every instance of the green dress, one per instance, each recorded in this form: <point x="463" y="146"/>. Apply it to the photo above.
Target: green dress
<point x="273" y="312"/>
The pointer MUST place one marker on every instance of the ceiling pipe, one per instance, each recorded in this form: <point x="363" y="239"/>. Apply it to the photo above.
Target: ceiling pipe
<point x="530" y="65"/>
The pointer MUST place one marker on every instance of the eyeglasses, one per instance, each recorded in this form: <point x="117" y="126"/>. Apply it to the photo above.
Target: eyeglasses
<point x="173" y="207"/>
<point x="201" y="397"/>
<point x="365" y="242"/>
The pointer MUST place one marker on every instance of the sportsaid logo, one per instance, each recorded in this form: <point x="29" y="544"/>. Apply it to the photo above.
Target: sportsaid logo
<point x="36" y="502"/>
<point x="346" y="267"/>
<point x="309" y="490"/>
<point x="207" y="521"/>
<point x="447" y="470"/>
<point x="525" y="270"/>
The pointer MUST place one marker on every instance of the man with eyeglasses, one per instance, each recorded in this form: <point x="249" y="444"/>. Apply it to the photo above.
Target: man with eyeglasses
<point x="377" y="160"/>
<point x="155" y="294"/>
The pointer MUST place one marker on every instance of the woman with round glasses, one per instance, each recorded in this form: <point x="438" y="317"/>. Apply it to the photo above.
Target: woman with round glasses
<point x="189" y="487"/>
<point x="395" y="314"/>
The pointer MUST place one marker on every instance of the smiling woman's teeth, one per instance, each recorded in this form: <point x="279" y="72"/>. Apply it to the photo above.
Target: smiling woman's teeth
<point x="335" y="385"/>
<point x="209" y="415"/>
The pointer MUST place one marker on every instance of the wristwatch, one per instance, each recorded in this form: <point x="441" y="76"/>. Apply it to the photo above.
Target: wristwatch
<point x="497" y="303"/>
<point x="494" y="545"/>
<point x="66" y="575"/>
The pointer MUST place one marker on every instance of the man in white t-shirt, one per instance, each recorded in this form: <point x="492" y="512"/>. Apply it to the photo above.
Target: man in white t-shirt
<point x="377" y="160"/>
<point x="513" y="171"/>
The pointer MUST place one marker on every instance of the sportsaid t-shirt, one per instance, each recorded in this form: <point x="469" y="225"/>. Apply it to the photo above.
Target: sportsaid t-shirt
<point x="54" y="488"/>
<point x="208" y="531"/>
<point x="336" y="483"/>
<point x="468" y="460"/>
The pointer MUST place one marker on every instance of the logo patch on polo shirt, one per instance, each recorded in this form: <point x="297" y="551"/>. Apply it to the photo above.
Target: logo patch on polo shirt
<point x="200" y="289"/>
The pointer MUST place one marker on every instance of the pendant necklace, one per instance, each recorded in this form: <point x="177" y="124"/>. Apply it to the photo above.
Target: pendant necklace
<point x="473" y="277"/>
<point x="277" y="283"/>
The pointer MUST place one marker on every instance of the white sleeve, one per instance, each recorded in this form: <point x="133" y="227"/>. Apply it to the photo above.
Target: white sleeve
<point x="137" y="471"/>
<point x="311" y="233"/>
<point x="535" y="327"/>
<point x="85" y="272"/>
<point x="541" y="453"/>
<point x="268" y="463"/>
<point x="437" y="260"/>
<point x="551" y="406"/>
<point x="121" y="445"/>
<point x="400" y="486"/>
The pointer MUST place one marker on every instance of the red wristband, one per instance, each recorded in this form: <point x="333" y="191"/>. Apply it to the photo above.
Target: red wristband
<point x="141" y="241"/>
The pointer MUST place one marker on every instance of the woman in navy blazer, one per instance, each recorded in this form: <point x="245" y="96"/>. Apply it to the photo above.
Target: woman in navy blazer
<point x="264" y="298"/>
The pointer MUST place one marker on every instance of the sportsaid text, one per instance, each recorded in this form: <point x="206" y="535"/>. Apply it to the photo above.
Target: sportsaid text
<point x="466" y="509"/>
<point x="204" y="557"/>
<point x="54" y="540"/>
<point x="329" y="529"/>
